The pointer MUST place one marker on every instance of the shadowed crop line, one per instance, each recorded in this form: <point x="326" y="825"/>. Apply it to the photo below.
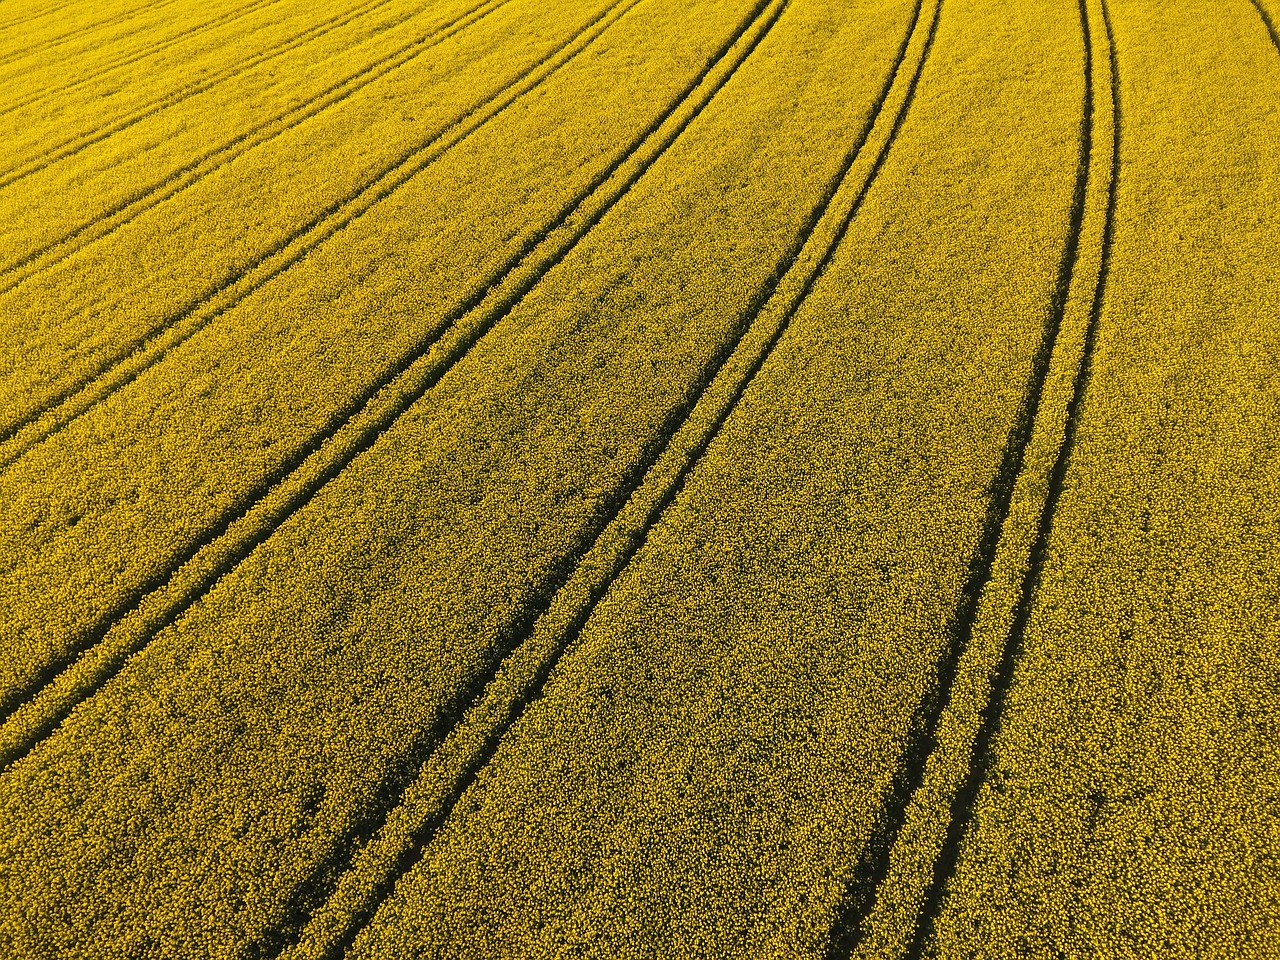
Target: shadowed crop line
<point x="127" y="210"/>
<point x="48" y="93"/>
<point x="91" y="28"/>
<point x="964" y="803"/>
<point x="634" y="491"/>
<point x="339" y="420"/>
<point x="140" y="353"/>
<point x="83" y="141"/>
<point x="369" y="435"/>
<point x="349" y="431"/>
<point x="44" y="12"/>
<point x="63" y="38"/>
<point x="1268" y="23"/>
<point x="224" y="19"/>
<point x="873" y="866"/>
<point x="23" y="20"/>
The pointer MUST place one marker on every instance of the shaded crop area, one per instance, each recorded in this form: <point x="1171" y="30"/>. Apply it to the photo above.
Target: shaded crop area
<point x="639" y="478"/>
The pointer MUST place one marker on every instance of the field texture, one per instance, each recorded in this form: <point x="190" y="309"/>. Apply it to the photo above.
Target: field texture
<point x="639" y="478"/>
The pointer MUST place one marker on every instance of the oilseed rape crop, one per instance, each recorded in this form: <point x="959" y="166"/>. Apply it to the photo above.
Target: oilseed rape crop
<point x="639" y="478"/>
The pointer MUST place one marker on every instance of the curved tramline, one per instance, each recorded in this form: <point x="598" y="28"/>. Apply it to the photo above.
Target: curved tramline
<point x="248" y="513"/>
<point x="132" y="357"/>
<point x="197" y="168"/>
<point x="861" y="900"/>
<point x="76" y="82"/>
<point x="74" y="144"/>
<point x="90" y="28"/>
<point x="888" y="911"/>
<point x="639" y="479"/>
<point x="979" y="764"/>
<point x="1125" y="730"/>
<point x="357" y="425"/>
<point x="495" y="700"/>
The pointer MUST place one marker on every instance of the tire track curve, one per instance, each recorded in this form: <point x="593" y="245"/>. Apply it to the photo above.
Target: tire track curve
<point x="980" y="759"/>
<point x="49" y="93"/>
<point x="81" y="142"/>
<point x="136" y="355"/>
<point x="450" y="758"/>
<point x="21" y="21"/>
<point x="339" y="419"/>
<point x="131" y="623"/>
<point x="1268" y="23"/>
<point x="90" y="28"/>
<point x="70" y="35"/>
<point x="133" y="206"/>
<point x="657" y="138"/>
<point x="873" y="865"/>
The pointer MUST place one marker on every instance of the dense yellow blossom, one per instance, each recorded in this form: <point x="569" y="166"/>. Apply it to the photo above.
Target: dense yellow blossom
<point x="782" y="478"/>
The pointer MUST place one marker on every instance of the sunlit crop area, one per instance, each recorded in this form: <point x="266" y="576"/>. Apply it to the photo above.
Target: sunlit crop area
<point x="639" y="478"/>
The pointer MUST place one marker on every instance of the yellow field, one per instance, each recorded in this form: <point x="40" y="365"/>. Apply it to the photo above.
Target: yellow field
<point x="639" y="478"/>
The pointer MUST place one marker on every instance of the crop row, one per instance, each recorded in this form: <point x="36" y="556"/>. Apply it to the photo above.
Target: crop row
<point x="100" y="194"/>
<point x="707" y="772"/>
<point x="49" y="124"/>
<point x="160" y="264"/>
<point x="87" y="31"/>
<point x="311" y="650"/>
<point x="1127" y="799"/>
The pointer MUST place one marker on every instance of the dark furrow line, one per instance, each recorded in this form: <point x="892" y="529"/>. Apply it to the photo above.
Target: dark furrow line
<point x="53" y="41"/>
<point x="347" y="416"/>
<point x="80" y="397"/>
<point x="1268" y="22"/>
<point x="48" y="93"/>
<point x="873" y="865"/>
<point x="316" y="889"/>
<point x="964" y="804"/>
<point x="23" y="20"/>
<point x="520" y="631"/>
<point x="128" y="209"/>
<point x="348" y="413"/>
<point x="78" y="144"/>
<point x="90" y="28"/>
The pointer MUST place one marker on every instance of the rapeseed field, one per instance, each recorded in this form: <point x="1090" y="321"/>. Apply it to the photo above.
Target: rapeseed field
<point x="639" y="478"/>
